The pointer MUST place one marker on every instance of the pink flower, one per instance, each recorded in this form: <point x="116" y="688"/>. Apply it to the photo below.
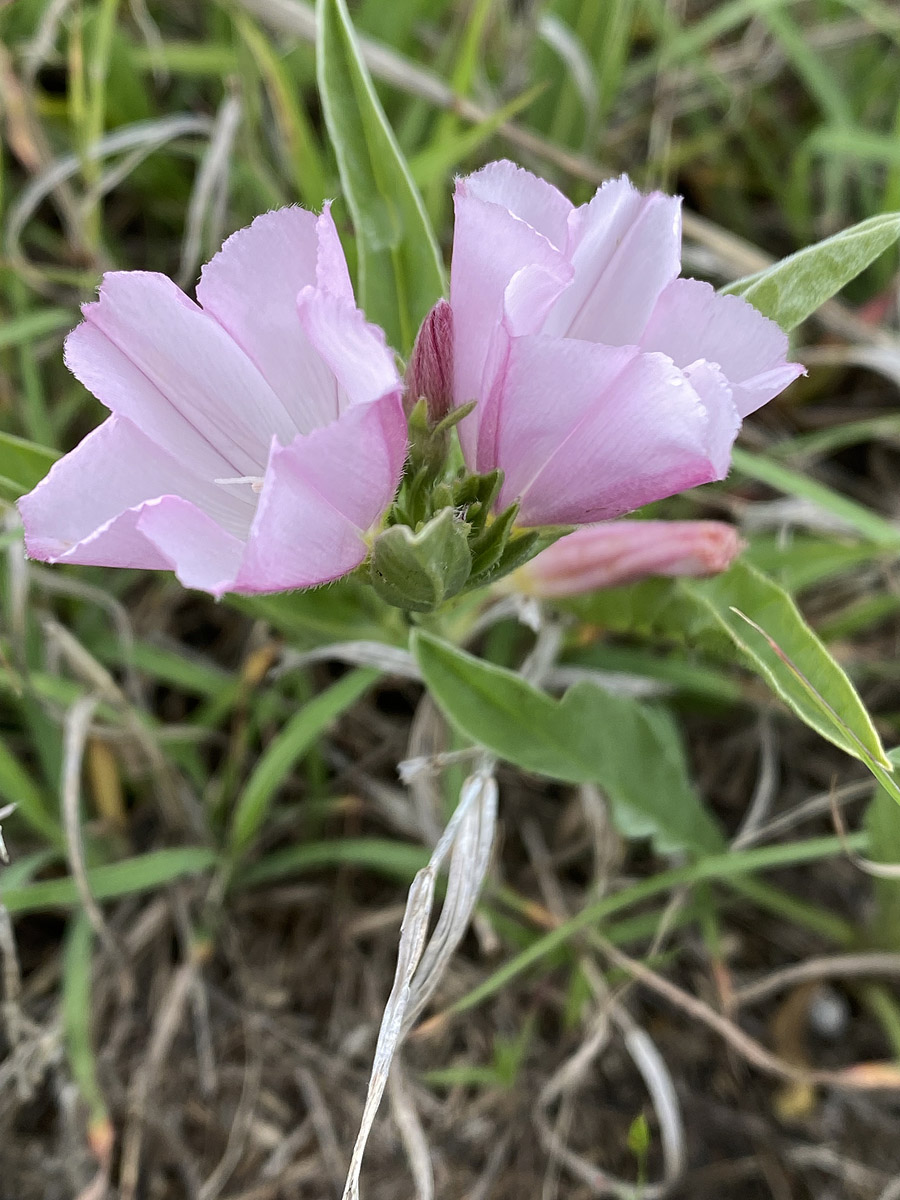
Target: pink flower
<point x="255" y="437"/>
<point x="619" y="552"/>
<point x="603" y="381"/>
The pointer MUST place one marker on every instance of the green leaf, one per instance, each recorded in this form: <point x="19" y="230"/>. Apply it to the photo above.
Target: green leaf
<point x="589" y="736"/>
<point x="790" y="290"/>
<point x="400" y="271"/>
<point x="682" y="672"/>
<point x="789" y="656"/>
<point x="286" y="750"/>
<point x="23" y="464"/>
<point x="125" y="878"/>
<point x="395" y="860"/>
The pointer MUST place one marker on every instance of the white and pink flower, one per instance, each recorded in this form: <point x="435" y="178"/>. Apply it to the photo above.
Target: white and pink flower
<point x="603" y="381"/>
<point x="256" y="436"/>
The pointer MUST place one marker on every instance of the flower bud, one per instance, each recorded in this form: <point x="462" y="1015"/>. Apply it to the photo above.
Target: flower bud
<point x="430" y="370"/>
<point x="419" y="571"/>
<point x="620" y="552"/>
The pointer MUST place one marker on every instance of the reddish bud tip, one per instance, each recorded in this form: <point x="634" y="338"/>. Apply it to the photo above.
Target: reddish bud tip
<point x="430" y="370"/>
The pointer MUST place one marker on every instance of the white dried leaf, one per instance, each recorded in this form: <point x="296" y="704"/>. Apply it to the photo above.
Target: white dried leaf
<point x="467" y="840"/>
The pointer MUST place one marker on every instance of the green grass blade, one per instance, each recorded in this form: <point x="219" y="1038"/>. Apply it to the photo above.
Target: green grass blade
<point x="297" y="134"/>
<point x="396" y="860"/>
<point x="283" y="754"/>
<point x="125" y="878"/>
<point x="77" y="1011"/>
<point x="22" y="463"/>
<point x="18" y="787"/>
<point x="793" y="483"/>
<point x="719" y="866"/>
<point x="400" y="270"/>
<point x="36" y="324"/>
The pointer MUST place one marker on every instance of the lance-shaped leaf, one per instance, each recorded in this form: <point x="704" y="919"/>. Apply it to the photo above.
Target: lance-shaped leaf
<point x="589" y="736"/>
<point x="763" y="621"/>
<point x="790" y="290"/>
<point x="400" y="272"/>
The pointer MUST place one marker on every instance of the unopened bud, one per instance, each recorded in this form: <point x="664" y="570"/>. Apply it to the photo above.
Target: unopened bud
<point x="620" y="552"/>
<point x="430" y="371"/>
<point x="419" y="571"/>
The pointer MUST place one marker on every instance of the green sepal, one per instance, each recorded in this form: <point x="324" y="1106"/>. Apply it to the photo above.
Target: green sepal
<point x="454" y="417"/>
<point x="488" y="546"/>
<point x="419" y="571"/>
<point x="517" y="551"/>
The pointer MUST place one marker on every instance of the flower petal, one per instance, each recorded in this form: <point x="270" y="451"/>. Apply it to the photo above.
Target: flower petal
<point x="633" y="429"/>
<point x="528" y="197"/>
<point x="251" y="288"/>
<point x="502" y="269"/>
<point x="150" y="354"/>
<point x="113" y="471"/>
<point x="691" y="320"/>
<point x="723" y="419"/>
<point x="355" y="463"/>
<point x="321" y="494"/>
<point x="548" y="386"/>
<point x="332" y="274"/>
<point x="199" y="551"/>
<point x="624" y="247"/>
<point x="361" y="366"/>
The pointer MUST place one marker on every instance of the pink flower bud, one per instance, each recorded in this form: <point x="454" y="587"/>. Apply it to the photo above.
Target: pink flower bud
<point x="620" y="552"/>
<point x="430" y="370"/>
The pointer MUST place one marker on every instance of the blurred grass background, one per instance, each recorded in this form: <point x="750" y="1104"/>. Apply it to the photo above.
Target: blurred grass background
<point x="210" y="845"/>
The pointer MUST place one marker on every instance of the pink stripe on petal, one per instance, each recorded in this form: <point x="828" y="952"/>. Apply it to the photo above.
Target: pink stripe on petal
<point x="199" y="551"/>
<point x="355" y="463"/>
<point x="501" y="268"/>
<point x="164" y="534"/>
<point x="320" y="497"/>
<point x="298" y="539"/>
<point x="116" y="543"/>
<point x="547" y="388"/>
